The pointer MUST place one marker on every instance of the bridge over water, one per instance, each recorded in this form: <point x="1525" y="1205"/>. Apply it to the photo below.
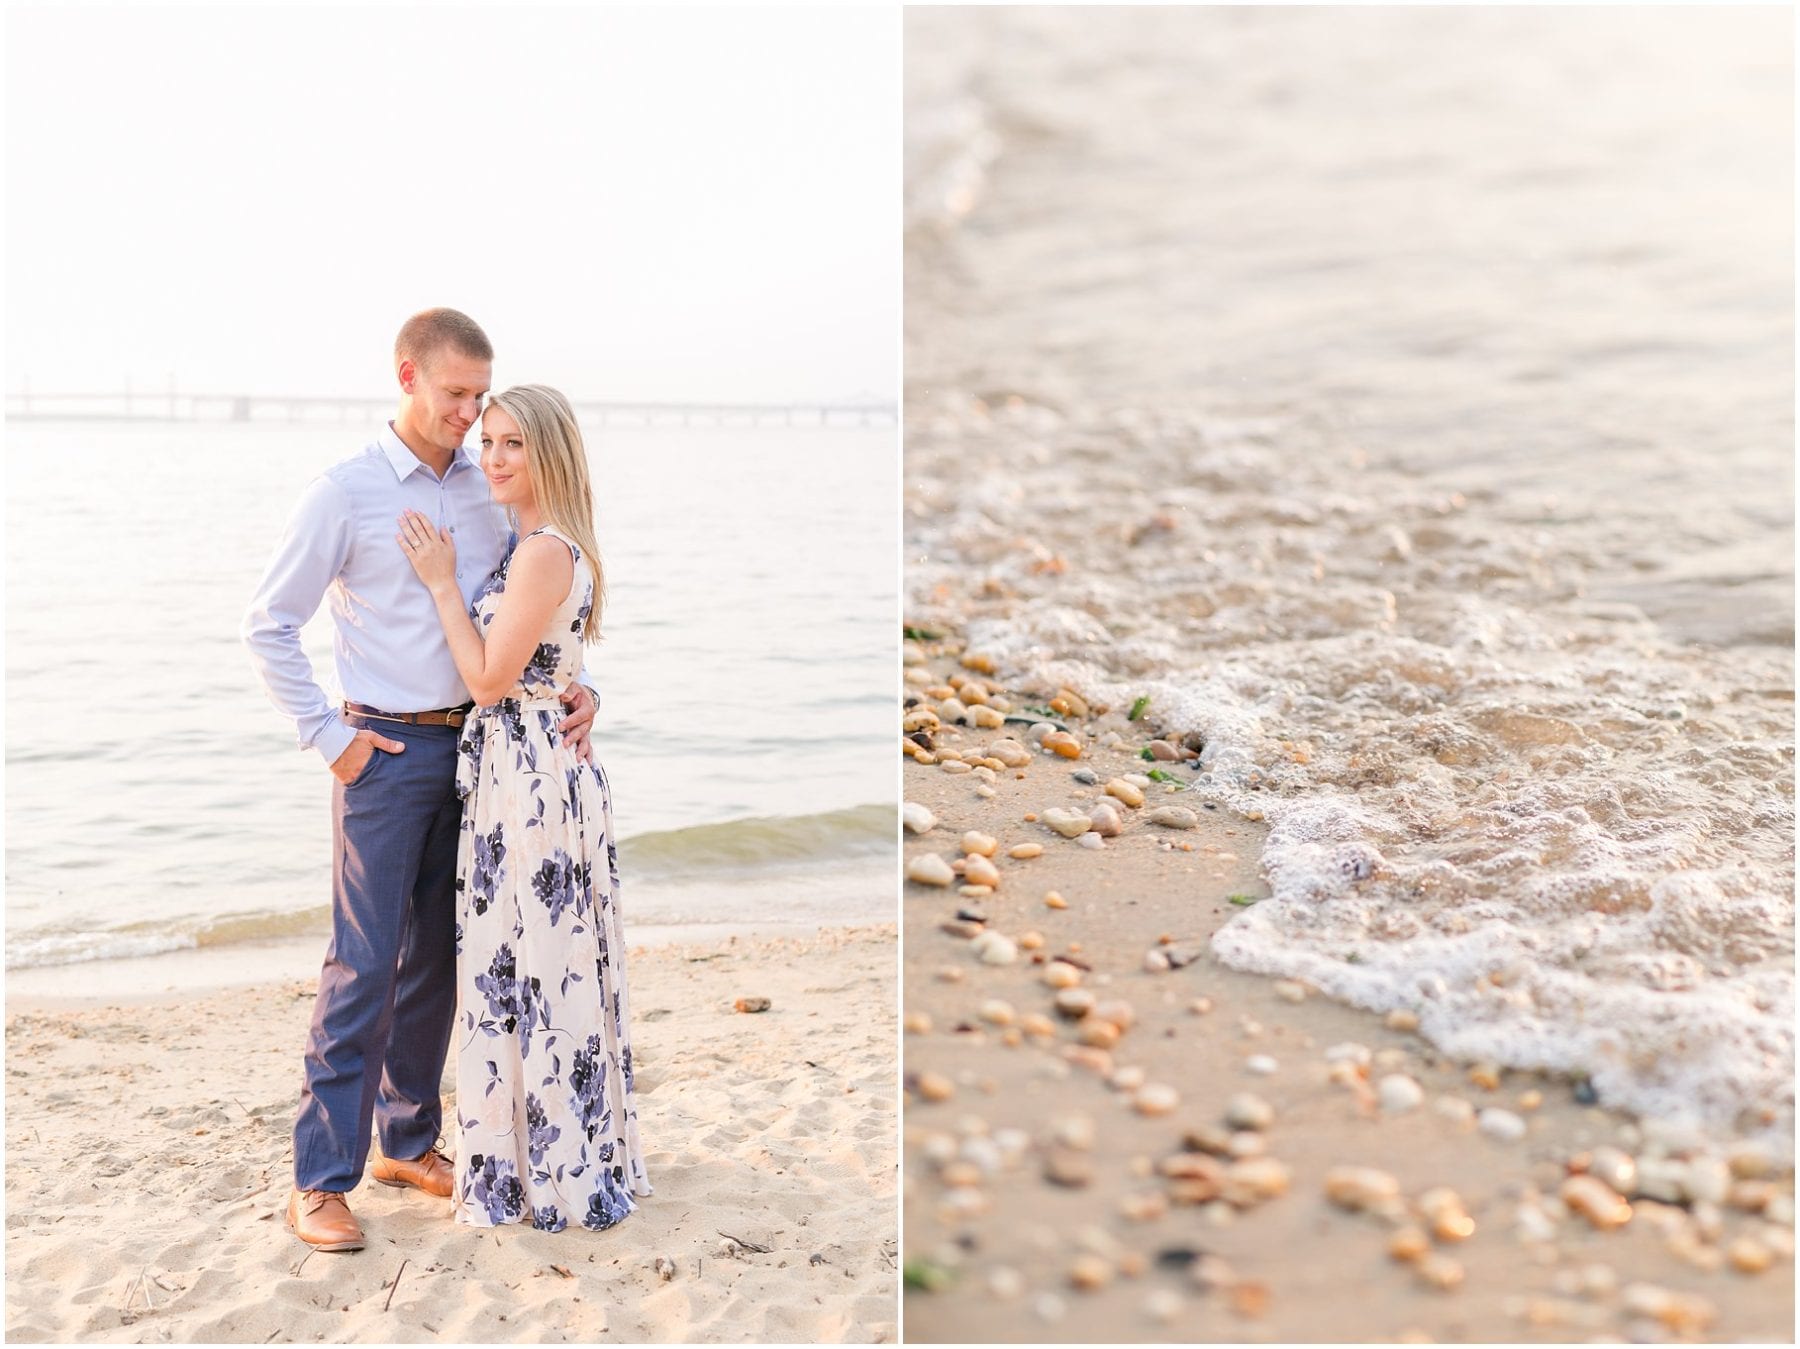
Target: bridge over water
<point x="249" y="408"/>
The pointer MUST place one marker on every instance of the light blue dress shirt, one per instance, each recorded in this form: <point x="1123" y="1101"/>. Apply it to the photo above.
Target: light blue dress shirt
<point x="389" y="645"/>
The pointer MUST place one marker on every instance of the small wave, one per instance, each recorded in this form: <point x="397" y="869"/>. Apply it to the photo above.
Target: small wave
<point x="761" y="841"/>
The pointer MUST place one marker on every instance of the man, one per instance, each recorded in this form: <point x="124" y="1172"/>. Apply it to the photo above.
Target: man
<point x="387" y="992"/>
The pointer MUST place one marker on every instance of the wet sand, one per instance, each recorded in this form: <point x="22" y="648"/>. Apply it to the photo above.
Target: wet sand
<point x="149" y="1149"/>
<point x="1108" y="1251"/>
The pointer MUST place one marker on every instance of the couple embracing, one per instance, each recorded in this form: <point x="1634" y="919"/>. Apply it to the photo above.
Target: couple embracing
<point x="475" y="882"/>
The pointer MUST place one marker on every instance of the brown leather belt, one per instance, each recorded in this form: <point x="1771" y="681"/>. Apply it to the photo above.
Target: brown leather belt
<point x="443" y="716"/>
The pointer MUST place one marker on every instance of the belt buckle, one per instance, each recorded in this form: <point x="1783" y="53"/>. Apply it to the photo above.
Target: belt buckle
<point x="455" y="717"/>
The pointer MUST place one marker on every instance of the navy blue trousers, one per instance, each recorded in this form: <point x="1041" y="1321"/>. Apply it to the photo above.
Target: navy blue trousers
<point x="387" y="992"/>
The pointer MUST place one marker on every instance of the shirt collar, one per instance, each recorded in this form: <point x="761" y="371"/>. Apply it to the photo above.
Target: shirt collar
<point x="405" y="462"/>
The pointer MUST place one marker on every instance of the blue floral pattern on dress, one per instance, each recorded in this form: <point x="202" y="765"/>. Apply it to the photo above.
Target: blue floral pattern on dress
<point x="546" y="1114"/>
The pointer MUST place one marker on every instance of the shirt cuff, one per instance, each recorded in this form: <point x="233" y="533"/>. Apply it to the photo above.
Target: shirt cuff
<point x="334" y="739"/>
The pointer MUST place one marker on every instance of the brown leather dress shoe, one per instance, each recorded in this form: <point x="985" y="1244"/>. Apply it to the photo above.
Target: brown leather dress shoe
<point x="432" y="1173"/>
<point x="322" y="1219"/>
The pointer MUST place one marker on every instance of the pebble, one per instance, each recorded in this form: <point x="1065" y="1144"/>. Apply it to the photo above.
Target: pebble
<point x="1408" y="1244"/>
<point x="1074" y="1003"/>
<point x="1091" y="841"/>
<point x="1075" y="1131"/>
<point x="1024" y="852"/>
<point x="1439" y="1272"/>
<point x="1173" y="817"/>
<point x="918" y="1023"/>
<point x="974" y="892"/>
<point x="1128" y="1079"/>
<point x="1246" y="1143"/>
<point x="1455" y="1109"/>
<point x="954" y="766"/>
<point x="935" y="1087"/>
<point x="930" y="869"/>
<point x="994" y="948"/>
<point x="997" y="1012"/>
<point x="1660" y="1179"/>
<point x="1201" y="1006"/>
<point x="1486" y="1076"/>
<point x="987" y="718"/>
<point x="1398" y="1094"/>
<point x="1087" y="777"/>
<point x="917" y="818"/>
<point x="1244" y="1111"/>
<point x="752" y="1004"/>
<point x="1751" y="1160"/>
<point x="1261" y="1065"/>
<point x="1501" y="1125"/>
<point x="1602" y="1206"/>
<point x="1290" y="990"/>
<point x="1348" y="1052"/>
<point x="1105" y="818"/>
<point x="1145" y="1206"/>
<point x="1037" y="1024"/>
<point x="1708" y="1180"/>
<point x="1117" y="1011"/>
<point x="1164" y="1306"/>
<point x="1006" y="1283"/>
<point x="1010" y="753"/>
<point x="1131" y="794"/>
<point x="977" y="870"/>
<point x="1155" y="962"/>
<point x="977" y="844"/>
<point x="1097" y="1033"/>
<point x="1048" y="1307"/>
<point x="1031" y="941"/>
<point x="1068" y="1168"/>
<point x="1614" y="1166"/>
<point x="1068" y="823"/>
<point x="1749" y="1256"/>
<point x="1061" y="974"/>
<point x="1053" y="900"/>
<point x="1163" y="751"/>
<point x="1254" y="1181"/>
<point x="1090" y="1272"/>
<point x="1061" y="742"/>
<point x="1683" y="1313"/>
<point x="1401" y="1019"/>
<point x="1155" y="1099"/>
<point x="1447" y="1214"/>
<point x="1362" y="1189"/>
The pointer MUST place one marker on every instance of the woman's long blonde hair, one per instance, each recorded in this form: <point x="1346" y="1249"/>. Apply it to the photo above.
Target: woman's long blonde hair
<point x="559" y="476"/>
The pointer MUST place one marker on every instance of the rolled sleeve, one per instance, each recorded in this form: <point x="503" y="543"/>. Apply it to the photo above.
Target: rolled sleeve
<point x="310" y="556"/>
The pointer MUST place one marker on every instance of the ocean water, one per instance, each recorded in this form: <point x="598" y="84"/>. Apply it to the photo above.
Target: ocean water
<point x="156" y="801"/>
<point x="1401" y="399"/>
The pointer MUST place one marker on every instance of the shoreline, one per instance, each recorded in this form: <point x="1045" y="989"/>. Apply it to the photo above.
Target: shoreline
<point x="1047" y="1196"/>
<point x="148" y="1150"/>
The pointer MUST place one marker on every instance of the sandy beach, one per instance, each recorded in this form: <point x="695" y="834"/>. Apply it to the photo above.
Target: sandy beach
<point x="1178" y="1172"/>
<point x="148" y="1165"/>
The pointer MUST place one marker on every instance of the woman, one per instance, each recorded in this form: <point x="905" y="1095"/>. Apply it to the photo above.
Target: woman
<point x="546" y="1125"/>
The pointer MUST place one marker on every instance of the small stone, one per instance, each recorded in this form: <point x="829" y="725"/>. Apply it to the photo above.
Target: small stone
<point x="986" y="718"/>
<point x="1090" y="1273"/>
<point x="1456" y="1110"/>
<point x="664" y="1268"/>
<point x="1031" y="941"/>
<point x="1144" y="1206"/>
<point x="1048" y="1307"/>
<point x="930" y="869"/>
<point x="1155" y="1099"/>
<point x="1122" y="790"/>
<point x="1261" y="1065"/>
<point x="752" y="1004"/>
<point x="1010" y="753"/>
<point x="1091" y="841"/>
<point x="978" y="844"/>
<point x="1254" y="1181"/>
<point x="1244" y="1111"/>
<point x="996" y="1012"/>
<point x="1117" y="1011"/>
<point x="1097" y="1033"/>
<point x="917" y="818"/>
<point x="1486" y="1076"/>
<point x="1006" y="1283"/>
<point x="1408" y="1244"/>
<point x="1708" y="1180"/>
<point x="1164" y="1306"/>
<point x="1074" y="1003"/>
<point x="1128" y="1079"/>
<point x="1024" y="852"/>
<point x="1173" y="817"/>
<point x="955" y="766"/>
<point x="1105" y="819"/>
<point x="1615" y="1167"/>
<point x="918" y="1023"/>
<point x="1155" y="962"/>
<point x="1087" y="777"/>
<point x="977" y="870"/>
<point x="1399" y="1094"/>
<point x="1163" y="751"/>
<point x="1290" y="990"/>
<point x="1448" y="1215"/>
<point x="935" y="1087"/>
<point x="1053" y="900"/>
<point x="1501" y="1125"/>
<point x="1068" y="823"/>
<point x="1400" y="1019"/>
<point x="1749" y="1256"/>
<point x="1349" y="1052"/>
<point x="1362" y="1189"/>
<point x="1201" y="1006"/>
<point x="1037" y="1025"/>
<point x="1249" y="1299"/>
<point x="994" y="948"/>
<point x="1068" y="1168"/>
<point x="1061" y="974"/>
<point x="1531" y="1100"/>
<point x="1683" y="1313"/>
<point x="1603" y="1206"/>
<point x="1751" y="1160"/>
<point x="1439" y="1272"/>
<point x="1061" y="742"/>
<point x="1075" y="1131"/>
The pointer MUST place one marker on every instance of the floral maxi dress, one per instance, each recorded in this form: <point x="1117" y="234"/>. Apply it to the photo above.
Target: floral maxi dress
<point x="546" y="1124"/>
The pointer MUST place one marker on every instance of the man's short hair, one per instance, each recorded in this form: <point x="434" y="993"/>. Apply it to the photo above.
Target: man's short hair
<point x="431" y="330"/>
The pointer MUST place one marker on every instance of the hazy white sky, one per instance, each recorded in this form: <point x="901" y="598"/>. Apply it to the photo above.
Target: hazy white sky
<point x="635" y="203"/>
